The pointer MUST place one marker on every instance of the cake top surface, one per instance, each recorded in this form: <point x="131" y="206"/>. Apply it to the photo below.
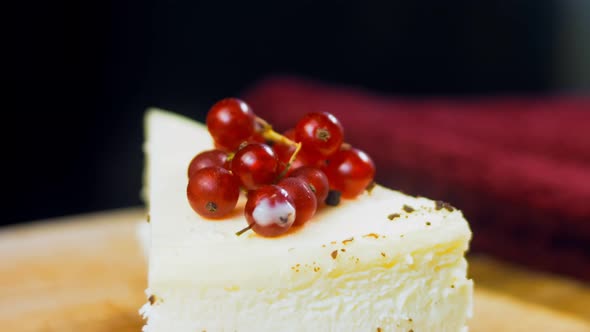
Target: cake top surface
<point x="174" y="140"/>
<point x="182" y="237"/>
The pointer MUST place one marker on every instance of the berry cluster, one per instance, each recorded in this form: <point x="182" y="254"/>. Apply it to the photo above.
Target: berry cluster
<point x="287" y="176"/>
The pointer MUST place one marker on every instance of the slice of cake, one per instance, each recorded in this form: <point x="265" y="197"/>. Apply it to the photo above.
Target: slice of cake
<point x="381" y="262"/>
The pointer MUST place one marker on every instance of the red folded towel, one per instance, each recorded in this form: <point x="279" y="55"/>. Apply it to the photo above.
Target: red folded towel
<point x="518" y="167"/>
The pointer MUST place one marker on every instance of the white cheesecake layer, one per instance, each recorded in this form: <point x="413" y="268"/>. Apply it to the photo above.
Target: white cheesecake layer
<point x="423" y="296"/>
<point x="384" y="260"/>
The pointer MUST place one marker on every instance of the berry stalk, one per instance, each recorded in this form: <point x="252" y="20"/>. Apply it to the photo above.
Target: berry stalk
<point x="244" y="230"/>
<point x="289" y="163"/>
<point x="270" y="134"/>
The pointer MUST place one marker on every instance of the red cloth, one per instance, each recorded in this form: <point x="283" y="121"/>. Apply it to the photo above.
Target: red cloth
<point x="518" y="167"/>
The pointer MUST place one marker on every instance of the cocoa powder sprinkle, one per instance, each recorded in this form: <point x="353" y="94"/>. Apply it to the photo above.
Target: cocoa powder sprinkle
<point x="347" y="241"/>
<point x="393" y="216"/>
<point x="370" y="187"/>
<point x="439" y="205"/>
<point x="408" y="208"/>
<point x="334" y="254"/>
<point x="153" y="299"/>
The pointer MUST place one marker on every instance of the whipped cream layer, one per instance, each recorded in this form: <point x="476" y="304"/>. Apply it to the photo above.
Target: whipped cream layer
<point x="384" y="260"/>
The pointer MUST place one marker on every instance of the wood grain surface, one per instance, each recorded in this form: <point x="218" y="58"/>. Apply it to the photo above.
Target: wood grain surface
<point x="87" y="273"/>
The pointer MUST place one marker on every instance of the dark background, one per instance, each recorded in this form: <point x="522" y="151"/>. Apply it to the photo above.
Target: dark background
<point x="80" y="75"/>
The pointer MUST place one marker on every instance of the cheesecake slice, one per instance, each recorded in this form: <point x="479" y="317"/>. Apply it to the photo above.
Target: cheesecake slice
<point x="381" y="262"/>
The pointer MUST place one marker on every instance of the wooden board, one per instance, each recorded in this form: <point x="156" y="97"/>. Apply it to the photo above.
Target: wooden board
<point x="87" y="273"/>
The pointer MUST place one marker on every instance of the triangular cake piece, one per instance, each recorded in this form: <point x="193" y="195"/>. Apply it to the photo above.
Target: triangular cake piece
<point x="382" y="262"/>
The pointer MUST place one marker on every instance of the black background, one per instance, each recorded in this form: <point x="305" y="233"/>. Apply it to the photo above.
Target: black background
<point x="79" y="75"/>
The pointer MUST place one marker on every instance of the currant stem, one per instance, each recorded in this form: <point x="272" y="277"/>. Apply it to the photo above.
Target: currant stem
<point x="244" y="230"/>
<point x="291" y="160"/>
<point x="269" y="134"/>
<point x="230" y="156"/>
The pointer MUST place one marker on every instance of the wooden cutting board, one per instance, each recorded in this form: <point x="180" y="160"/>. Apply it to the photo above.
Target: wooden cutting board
<point x="87" y="273"/>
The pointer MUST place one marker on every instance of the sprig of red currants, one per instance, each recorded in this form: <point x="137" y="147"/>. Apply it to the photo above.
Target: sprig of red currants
<point x="287" y="176"/>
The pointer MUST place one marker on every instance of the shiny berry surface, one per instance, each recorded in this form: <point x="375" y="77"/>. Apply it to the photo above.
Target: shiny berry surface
<point x="256" y="138"/>
<point x="213" y="192"/>
<point x="255" y="165"/>
<point x="207" y="158"/>
<point x="284" y="153"/>
<point x="282" y="150"/>
<point x="270" y="211"/>
<point x="316" y="179"/>
<point x="290" y="134"/>
<point x="320" y="134"/>
<point x="350" y="171"/>
<point x="303" y="198"/>
<point x="231" y="122"/>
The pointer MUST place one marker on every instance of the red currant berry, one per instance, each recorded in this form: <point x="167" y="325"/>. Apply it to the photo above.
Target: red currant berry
<point x="320" y="134"/>
<point x="316" y="179"/>
<point x="231" y="122"/>
<point x="350" y="172"/>
<point x="269" y="211"/>
<point x="256" y="138"/>
<point x="255" y="165"/>
<point x="213" y="192"/>
<point x="303" y="198"/>
<point x="290" y="134"/>
<point x="284" y="153"/>
<point x="207" y="159"/>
